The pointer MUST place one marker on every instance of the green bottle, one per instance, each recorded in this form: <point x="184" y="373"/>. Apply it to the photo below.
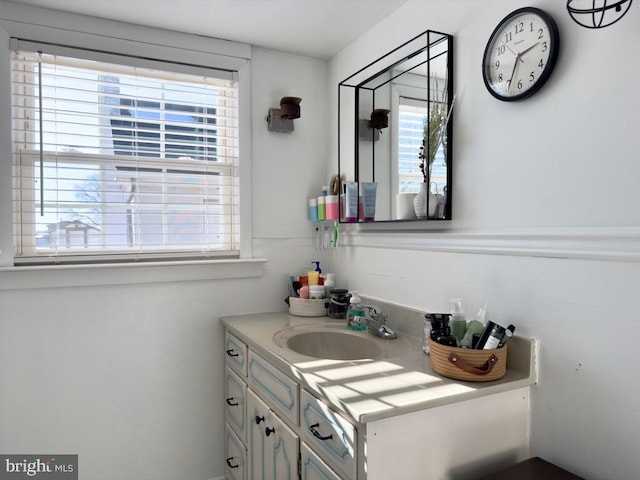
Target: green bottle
<point x="355" y="310"/>
<point x="475" y="326"/>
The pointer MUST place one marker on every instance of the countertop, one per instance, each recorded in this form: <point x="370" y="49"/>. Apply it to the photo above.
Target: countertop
<point x="370" y="390"/>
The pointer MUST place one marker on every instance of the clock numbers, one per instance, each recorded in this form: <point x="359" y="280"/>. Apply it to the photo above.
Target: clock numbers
<point x="520" y="54"/>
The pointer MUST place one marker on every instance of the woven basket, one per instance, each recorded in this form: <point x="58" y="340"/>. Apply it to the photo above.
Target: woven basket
<point x="467" y="364"/>
<point x="308" y="307"/>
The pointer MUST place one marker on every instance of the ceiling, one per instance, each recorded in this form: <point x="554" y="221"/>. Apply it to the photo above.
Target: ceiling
<point x="314" y="28"/>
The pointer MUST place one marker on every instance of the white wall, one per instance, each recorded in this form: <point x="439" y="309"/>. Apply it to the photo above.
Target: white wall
<point x="130" y="375"/>
<point x="546" y="223"/>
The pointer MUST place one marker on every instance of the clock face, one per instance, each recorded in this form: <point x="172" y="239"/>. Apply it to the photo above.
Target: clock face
<point x="520" y="54"/>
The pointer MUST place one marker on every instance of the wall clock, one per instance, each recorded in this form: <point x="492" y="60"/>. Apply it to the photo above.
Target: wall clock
<point x="520" y="54"/>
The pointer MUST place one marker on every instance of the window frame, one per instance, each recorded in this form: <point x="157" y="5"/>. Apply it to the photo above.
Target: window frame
<point x="191" y="52"/>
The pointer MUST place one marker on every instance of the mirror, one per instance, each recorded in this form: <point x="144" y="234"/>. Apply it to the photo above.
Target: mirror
<point x="395" y="134"/>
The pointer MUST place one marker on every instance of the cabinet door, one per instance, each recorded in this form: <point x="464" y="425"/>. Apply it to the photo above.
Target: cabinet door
<point x="312" y="468"/>
<point x="257" y="414"/>
<point x="282" y="450"/>
<point x="273" y="447"/>
<point x="235" y="403"/>
<point x="236" y="457"/>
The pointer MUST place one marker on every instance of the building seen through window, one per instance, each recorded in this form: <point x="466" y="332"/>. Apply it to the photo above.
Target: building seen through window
<point x="123" y="158"/>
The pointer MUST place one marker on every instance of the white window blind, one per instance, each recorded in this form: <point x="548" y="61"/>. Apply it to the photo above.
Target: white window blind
<point x="117" y="162"/>
<point x="412" y="119"/>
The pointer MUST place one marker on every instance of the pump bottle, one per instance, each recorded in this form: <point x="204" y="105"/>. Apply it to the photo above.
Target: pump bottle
<point x="355" y="310"/>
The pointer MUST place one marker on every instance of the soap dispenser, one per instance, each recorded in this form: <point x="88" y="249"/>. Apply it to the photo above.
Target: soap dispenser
<point x="458" y="322"/>
<point x="355" y="310"/>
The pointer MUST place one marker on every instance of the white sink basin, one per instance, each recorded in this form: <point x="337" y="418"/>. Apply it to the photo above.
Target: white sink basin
<point x="337" y="343"/>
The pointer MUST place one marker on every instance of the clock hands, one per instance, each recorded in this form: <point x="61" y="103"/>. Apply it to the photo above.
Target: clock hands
<point x="516" y="54"/>
<point x="518" y="57"/>
<point x="515" y="66"/>
<point x="521" y="54"/>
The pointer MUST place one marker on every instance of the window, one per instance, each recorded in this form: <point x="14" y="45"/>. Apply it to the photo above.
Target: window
<point x="411" y="123"/>
<point x="119" y="162"/>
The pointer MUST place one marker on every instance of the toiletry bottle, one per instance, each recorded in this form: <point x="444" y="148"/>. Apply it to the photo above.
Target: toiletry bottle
<point x="312" y="277"/>
<point x="432" y="329"/>
<point x="458" y="322"/>
<point x="475" y="327"/>
<point x="426" y="333"/>
<point x="491" y="336"/>
<point x="446" y="338"/>
<point x="436" y="324"/>
<point x="440" y="332"/>
<point x="508" y="333"/>
<point x="316" y="292"/>
<point x="338" y="303"/>
<point x="329" y="283"/>
<point x="355" y="310"/>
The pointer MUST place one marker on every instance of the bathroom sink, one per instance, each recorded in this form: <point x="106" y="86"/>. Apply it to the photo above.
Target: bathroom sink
<point x="336" y="343"/>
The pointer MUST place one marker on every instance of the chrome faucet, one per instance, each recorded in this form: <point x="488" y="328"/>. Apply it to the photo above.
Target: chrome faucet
<point x="376" y="323"/>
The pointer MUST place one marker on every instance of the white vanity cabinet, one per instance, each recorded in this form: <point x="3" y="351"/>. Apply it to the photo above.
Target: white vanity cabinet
<point x="280" y="418"/>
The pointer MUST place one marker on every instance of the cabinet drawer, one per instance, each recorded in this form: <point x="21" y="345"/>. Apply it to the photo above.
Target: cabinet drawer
<point x="329" y="434"/>
<point x="313" y="468"/>
<point x="235" y="391"/>
<point x="278" y="390"/>
<point x="236" y="457"/>
<point x="236" y="353"/>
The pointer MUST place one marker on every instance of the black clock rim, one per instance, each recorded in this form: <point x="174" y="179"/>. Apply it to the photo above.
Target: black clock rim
<point x="551" y="63"/>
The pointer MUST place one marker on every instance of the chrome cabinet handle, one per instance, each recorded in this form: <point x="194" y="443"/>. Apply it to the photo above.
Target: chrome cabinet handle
<point x="317" y="434"/>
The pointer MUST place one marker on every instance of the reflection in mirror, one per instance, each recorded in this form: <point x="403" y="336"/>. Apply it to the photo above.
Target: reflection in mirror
<point x="395" y="134"/>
